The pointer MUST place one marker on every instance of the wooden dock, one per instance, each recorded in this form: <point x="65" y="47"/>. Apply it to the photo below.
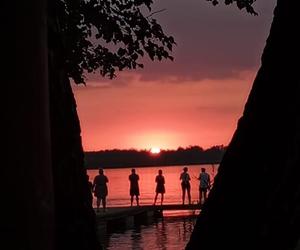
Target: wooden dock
<point x="127" y="211"/>
<point x="123" y="218"/>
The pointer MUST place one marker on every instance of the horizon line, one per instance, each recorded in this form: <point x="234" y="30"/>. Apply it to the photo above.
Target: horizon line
<point x="162" y="149"/>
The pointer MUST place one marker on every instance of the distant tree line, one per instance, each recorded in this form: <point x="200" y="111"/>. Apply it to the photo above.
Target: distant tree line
<point x="117" y="158"/>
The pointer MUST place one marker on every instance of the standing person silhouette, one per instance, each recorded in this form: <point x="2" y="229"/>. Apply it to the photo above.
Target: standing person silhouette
<point x="204" y="186"/>
<point x="185" y="184"/>
<point x="160" y="187"/>
<point x="134" y="187"/>
<point x="100" y="189"/>
<point x="90" y="187"/>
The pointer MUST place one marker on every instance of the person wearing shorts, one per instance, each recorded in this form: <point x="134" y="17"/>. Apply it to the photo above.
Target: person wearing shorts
<point x="185" y="185"/>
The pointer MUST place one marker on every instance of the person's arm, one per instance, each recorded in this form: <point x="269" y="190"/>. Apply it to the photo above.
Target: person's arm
<point x="106" y="179"/>
<point x="163" y="180"/>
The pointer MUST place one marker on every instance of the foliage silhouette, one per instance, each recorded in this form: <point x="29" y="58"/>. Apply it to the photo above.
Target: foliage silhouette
<point x="108" y="35"/>
<point x="241" y="4"/>
<point x="72" y="52"/>
<point x="83" y="37"/>
<point x="113" y="35"/>
<point x="139" y="158"/>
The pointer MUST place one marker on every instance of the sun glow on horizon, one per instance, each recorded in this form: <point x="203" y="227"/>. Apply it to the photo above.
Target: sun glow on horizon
<point x="155" y="150"/>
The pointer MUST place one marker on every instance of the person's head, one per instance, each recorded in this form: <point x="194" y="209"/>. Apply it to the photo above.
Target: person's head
<point x="101" y="171"/>
<point x="133" y="171"/>
<point x="160" y="172"/>
<point x="203" y="170"/>
<point x="185" y="169"/>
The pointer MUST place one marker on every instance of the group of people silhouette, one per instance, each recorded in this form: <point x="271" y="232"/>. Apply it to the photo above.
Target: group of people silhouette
<point x="204" y="186"/>
<point x="100" y="190"/>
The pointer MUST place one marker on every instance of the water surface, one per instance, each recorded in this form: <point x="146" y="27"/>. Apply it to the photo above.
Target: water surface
<point x="118" y="186"/>
<point x="169" y="233"/>
<point x="166" y="234"/>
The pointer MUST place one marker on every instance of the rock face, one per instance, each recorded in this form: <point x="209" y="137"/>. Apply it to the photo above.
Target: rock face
<point x="255" y="201"/>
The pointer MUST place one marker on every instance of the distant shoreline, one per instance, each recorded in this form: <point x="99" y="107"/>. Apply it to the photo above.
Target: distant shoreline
<point x="117" y="158"/>
<point x="149" y="166"/>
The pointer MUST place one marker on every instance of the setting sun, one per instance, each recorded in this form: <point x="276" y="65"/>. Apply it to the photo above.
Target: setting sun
<point x="155" y="150"/>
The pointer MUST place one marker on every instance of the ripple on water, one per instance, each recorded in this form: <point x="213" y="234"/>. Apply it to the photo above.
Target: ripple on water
<point x="168" y="233"/>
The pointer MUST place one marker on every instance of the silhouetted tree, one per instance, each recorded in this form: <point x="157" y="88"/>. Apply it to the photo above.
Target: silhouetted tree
<point x="108" y="35"/>
<point x="181" y="156"/>
<point x="83" y="37"/>
<point x="27" y="207"/>
<point x="255" y="201"/>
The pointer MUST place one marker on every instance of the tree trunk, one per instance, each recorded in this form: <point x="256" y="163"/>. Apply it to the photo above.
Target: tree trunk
<point x="27" y="208"/>
<point x="75" y="217"/>
<point x="255" y="201"/>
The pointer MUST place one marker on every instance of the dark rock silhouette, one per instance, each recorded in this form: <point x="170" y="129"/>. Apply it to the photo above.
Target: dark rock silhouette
<point x="255" y="201"/>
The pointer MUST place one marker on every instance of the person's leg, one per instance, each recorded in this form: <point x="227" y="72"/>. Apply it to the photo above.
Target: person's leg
<point x="104" y="203"/>
<point x="205" y="194"/>
<point x="200" y="195"/>
<point x="131" y="200"/>
<point x="162" y="199"/>
<point x="155" y="198"/>
<point x="183" y="195"/>
<point x="189" y="193"/>
<point x="137" y="200"/>
<point x="98" y="204"/>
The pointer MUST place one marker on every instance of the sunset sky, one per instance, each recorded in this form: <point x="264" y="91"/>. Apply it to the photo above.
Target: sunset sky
<point x="195" y="100"/>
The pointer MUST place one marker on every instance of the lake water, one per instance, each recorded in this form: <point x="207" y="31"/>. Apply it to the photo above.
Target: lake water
<point x="170" y="233"/>
<point x="118" y="185"/>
